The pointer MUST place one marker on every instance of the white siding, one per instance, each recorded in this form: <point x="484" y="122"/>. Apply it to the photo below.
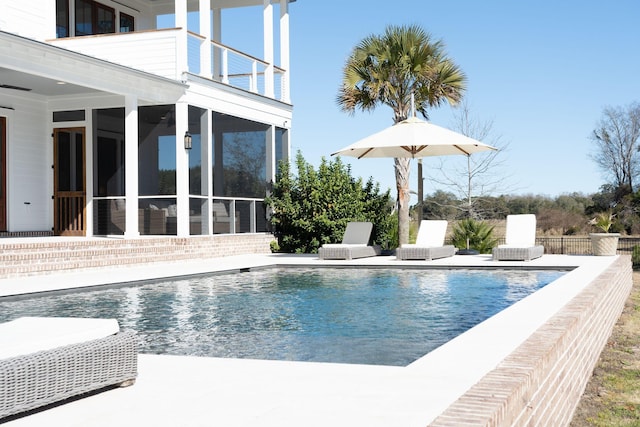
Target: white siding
<point x="35" y="19"/>
<point x="153" y="52"/>
<point x="29" y="155"/>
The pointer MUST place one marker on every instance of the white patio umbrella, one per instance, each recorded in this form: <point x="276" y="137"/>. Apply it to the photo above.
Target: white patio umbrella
<point x="414" y="138"/>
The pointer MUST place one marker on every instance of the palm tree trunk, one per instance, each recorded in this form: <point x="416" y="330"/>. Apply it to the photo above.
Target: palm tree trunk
<point x="402" y="168"/>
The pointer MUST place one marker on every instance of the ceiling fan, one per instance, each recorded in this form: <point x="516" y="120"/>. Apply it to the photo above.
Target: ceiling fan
<point x="4" y="86"/>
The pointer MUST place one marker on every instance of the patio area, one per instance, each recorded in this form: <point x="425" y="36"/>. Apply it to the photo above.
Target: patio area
<point x="438" y="389"/>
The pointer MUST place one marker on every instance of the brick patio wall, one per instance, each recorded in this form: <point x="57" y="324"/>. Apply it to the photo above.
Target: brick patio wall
<point x="33" y="258"/>
<point x="541" y="382"/>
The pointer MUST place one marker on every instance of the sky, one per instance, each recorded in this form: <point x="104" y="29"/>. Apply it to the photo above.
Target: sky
<point x="541" y="72"/>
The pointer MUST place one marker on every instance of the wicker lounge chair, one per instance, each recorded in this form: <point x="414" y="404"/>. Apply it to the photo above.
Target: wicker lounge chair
<point x="47" y="360"/>
<point x="355" y="243"/>
<point x="520" y="240"/>
<point x="429" y="243"/>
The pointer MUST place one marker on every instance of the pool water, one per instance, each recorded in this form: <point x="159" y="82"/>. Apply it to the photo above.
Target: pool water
<point x="366" y="316"/>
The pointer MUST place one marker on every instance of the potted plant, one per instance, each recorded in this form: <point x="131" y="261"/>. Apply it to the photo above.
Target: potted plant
<point x="604" y="243"/>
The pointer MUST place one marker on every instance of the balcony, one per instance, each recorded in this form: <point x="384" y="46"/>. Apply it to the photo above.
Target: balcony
<point x="172" y="52"/>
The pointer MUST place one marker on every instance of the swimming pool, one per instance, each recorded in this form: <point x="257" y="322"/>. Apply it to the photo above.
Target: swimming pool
<point x="367" y="316"/>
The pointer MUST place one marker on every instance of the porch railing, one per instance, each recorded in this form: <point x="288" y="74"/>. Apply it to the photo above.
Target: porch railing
<point x="157" y="215"/>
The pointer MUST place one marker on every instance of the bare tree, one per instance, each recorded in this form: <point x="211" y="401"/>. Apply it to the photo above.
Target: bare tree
<point x="616" y="139"/>
<point x="483" y="173"/>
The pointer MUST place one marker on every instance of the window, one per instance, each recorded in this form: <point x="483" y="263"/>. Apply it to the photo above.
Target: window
<point x="106" y="18"/>
<point x="157" y="150"/>
<point x="281" y="146"/>
<point x="62" y="18"/>
<point x="109" y="153"/>
<point x="94" y="18"/>
<point x="108" y="168"/>
<point x="240" y="157"/>
<point x="68" y="116"/>
<point x="127" y="23"/>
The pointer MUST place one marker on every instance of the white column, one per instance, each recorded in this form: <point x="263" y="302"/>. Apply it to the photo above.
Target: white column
<point x="72" y="18"/>
<point x="217" y="37"/>
<point x="271" y="154"/>
<point x="271" y="164"/>
<point x="181" y="13"/>
<point x="268" y="48"/>
<point x="131" y="165"/>
<point x="182" y="170"/>
<point x="286" y="145"/>
<point x="181" y="50"/>
<point x="88" y="144"/>
<point x="285" y="62"/>
<point x="206" y="138"/>
<point x="205" y="47"/>
<point x="218" y="177"/>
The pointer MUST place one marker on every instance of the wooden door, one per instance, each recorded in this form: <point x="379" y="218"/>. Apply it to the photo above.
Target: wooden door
<point x="69" y="192"/>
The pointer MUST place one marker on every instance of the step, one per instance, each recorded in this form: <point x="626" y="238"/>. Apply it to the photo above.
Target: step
<point x="42" y="257"/>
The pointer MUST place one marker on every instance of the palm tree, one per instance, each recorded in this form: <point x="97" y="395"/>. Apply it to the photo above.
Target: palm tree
<point x="389" y="69"/>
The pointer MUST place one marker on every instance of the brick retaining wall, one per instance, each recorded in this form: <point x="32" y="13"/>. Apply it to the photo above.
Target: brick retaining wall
<point x="541" y="382"/>
<point x="42" y="257"/>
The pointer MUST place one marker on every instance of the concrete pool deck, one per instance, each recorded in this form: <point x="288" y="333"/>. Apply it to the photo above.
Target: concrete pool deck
<point x="196" y="391"/>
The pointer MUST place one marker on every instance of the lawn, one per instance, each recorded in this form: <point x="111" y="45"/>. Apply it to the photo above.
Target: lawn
<point x="612" y="397"/>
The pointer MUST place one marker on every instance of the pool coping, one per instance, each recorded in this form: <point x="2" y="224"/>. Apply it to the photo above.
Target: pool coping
<point x="275" y="393"/>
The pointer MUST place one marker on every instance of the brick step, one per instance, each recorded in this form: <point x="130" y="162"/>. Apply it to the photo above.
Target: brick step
<point x="24" y="259"/>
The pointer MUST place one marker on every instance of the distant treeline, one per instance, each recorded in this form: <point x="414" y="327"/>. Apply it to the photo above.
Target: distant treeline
<point x="567" y="214"/>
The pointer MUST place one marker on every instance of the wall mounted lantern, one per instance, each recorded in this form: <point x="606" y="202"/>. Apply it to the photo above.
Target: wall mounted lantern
<point x="187" y="140"/>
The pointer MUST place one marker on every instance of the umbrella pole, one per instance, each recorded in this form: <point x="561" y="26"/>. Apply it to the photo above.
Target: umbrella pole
<point x="420" y="189"/>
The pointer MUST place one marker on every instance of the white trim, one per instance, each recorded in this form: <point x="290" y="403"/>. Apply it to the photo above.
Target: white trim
<point x="236" y="102"/>
<point x="8" y="114"/>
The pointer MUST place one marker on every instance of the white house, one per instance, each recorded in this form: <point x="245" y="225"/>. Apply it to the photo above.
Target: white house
<point x="133" y="117"/>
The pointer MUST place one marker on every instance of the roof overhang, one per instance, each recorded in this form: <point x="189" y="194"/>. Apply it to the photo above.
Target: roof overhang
<point x="49" y="70"/>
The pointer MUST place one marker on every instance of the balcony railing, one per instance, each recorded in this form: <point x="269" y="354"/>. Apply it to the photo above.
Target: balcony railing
<point x="171" y="52"/>
<point x="235" y="68"/>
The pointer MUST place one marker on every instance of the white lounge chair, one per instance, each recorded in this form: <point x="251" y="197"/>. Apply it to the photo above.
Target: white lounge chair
<point x="429" y="243"/>
<point x="355" y="243"/>
<point x="520" y="240"/>
<point x="45" y="360"/>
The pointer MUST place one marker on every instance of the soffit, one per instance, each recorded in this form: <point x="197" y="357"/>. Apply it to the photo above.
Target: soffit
<point x="17" y="82"/>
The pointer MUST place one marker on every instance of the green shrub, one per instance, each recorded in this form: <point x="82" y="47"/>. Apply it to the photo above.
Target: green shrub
<point x="478" y="234"/>
<point x="314" y="206"/>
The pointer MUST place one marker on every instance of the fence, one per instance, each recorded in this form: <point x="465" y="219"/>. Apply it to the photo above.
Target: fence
<point x="569" y="245"/>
